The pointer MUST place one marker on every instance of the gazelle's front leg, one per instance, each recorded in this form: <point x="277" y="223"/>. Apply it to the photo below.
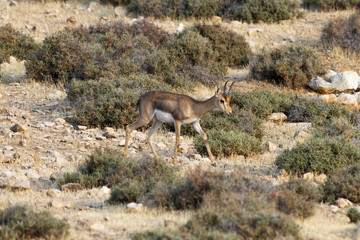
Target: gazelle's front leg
<point x="204" y="137"/>
<point x="177" y="140"/>
<point x="129" y="128"/>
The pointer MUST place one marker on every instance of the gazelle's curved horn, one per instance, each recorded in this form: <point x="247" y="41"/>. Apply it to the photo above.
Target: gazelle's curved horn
<point x="229" y="92"/>
<point x="217" y="89"/>
<point x="224" y="92"/>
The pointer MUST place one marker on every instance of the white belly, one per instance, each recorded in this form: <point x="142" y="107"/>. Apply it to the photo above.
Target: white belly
<point x="168" y="118"/>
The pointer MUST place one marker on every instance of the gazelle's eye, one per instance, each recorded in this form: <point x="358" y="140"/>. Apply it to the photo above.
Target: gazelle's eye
<point x="222" y="101"/>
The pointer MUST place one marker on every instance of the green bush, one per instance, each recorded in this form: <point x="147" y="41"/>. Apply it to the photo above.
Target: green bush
<point x="255" y="11"/>
<point x="305" y="188"/>
<point x="262" y="103"/>
<point x="343" y="183"/>
<point x="174" y="9"/>
<point x="290" y="66"/>
<point x="21" y="222"/>
<point x="343" y="32"/>
<point x="330" y="5"/>
<point x="227" y="143"/>
<point x="229" y="47"/>
<point x="353" y="214"/>
<point x="14" y="43"/>
<point x="237" y="223"/>
<point x="110" y="103"/>
<point x="320" y="154"/>
<point x="109" y="167"/>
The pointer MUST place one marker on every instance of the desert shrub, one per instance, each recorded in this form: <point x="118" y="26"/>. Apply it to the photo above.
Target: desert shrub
<point x="21" y="222"/>
<point x="229" y="47"/>
<point x="298" y="113"/>
<point x="294" y="204"/>
<point x="174" y="9"/>
<point x="262" y="103"/>
<point x="290" y="66"/>
<point x="226" y="143"/>
<point x="14" y="43"/>
<point x="237" y="223"/>
<point x="110" y="103"/>
<point x="353" y="214"/>
<point x="255" y="11"/>
<point x="155" y="235"/>
<point x="343" y="32"/>
<point x="343" y="183"/>
<point x="116" y="2"/>
<point x="321" y="154"/>
<point x="330" y="5"/>
<point x="109" y="167"/>
<point x="305" y="188"/>
<point x="342" y="127"/>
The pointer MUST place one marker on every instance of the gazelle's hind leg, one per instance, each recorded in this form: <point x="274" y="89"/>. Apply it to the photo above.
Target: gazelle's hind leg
<point x="204" y="137"/>
<point x="129" y="128"/>
<point x="153" y="130"/>
<point x="177" y="140"/>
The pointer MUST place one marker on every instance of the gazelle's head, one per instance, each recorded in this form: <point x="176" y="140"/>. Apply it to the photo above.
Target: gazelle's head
<point x="223" y="99"/>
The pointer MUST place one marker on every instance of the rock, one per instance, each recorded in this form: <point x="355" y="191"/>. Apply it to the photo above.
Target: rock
<point x="347" y="80"/>
<point x="109" y="134"/>
<point x="60" y="121"/>
<point x="320" y="179"/>
<point x="23" y="185"/>
<point x="349" y="100"/>
<point x="4" y="182"/>
<point x="13" y="3"/>
<point x="56" y="95"/>
<point x="93" y="6"/>
<point x="105" y="190"/>
<point x="271" y="147"/>
<point x="180" y="28"/>
<point x="216" y="19"/>
<point x="18" y="128"/>
<point x="343" y="203"/>
<point x="32" y="174"/>
<point x="321" y="86"/>
<point x="53" y="193"/>
<point x="253" y="31"/>
<point x="308" y="176"/>
<point x="71" y="20"/>
<point x="329" y="74"/>
<point x="251" y="44"/>
<point x="289" y="39"/>
<point x="122" y="143"/>
<point x="57" y="203"/>
<point x="281" y="174"/>
<point x="301" y="135"/>
<point x="100" y="138"/>
<point x="277" y="117"/>
<point x="134" y="207"/>
<point x="328" y="98"/>
<point x="119" y="11"/>
<point x="65" y="6"/>
<point x="97" y="227"/>
<point x="56" y="175"/>
<point x="72" y="187"/>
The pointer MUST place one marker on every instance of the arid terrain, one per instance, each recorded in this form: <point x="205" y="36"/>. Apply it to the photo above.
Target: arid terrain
<point x="48" y="144"/>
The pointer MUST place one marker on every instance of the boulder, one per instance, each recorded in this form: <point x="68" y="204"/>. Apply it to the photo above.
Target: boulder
<point x="134" y="207"/>
<point x="321" y="86"/>
<point x="253" y="31"/>
<point x="349" y="100"/>
<point x="23" y="185"/>
<point x="329" y="74"/>
<point x="320" y="179"/>
<point x="18" y="128"/>
<point x="271" y="147"/>
<point x="72" y="187"/>
<point x="278" y="117"/>
<point x="343" y="81"/>
<point x="343" y="203"/>
<point x="308" y="176"/>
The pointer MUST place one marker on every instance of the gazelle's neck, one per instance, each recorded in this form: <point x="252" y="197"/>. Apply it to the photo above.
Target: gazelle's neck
<point x="207" y="105"/>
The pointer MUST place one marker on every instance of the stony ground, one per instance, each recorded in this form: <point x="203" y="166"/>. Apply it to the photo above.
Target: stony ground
<point x="36" y="141"/>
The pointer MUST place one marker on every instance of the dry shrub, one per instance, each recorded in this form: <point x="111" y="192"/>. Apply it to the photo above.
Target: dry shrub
<point x="291" y="66"/>
<point x="21" y="222"/>
<point x="354" y="215"/>
<point x="331" y="5"/>
<point x="343" y="32"/>
<point x="343" y="183"/>
<point x="14" y="43"/>
<point x="320" y="154"/>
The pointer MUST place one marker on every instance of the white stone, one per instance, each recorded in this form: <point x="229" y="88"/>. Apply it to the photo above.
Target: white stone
<point x="329" y="74"/>
<point x="321" y="86"/>
<point x="343" y="203"/>
<point x="278" y="117"/>
<point x="321" y="178"/>
<point x="271" y="147"/>
<point x="308" y="176"/>
<point x="349" y="100"/>
<point x="347" y="80"/>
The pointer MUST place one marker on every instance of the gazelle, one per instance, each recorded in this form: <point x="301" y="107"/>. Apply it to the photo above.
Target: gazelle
<point x="179" y="109"/>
